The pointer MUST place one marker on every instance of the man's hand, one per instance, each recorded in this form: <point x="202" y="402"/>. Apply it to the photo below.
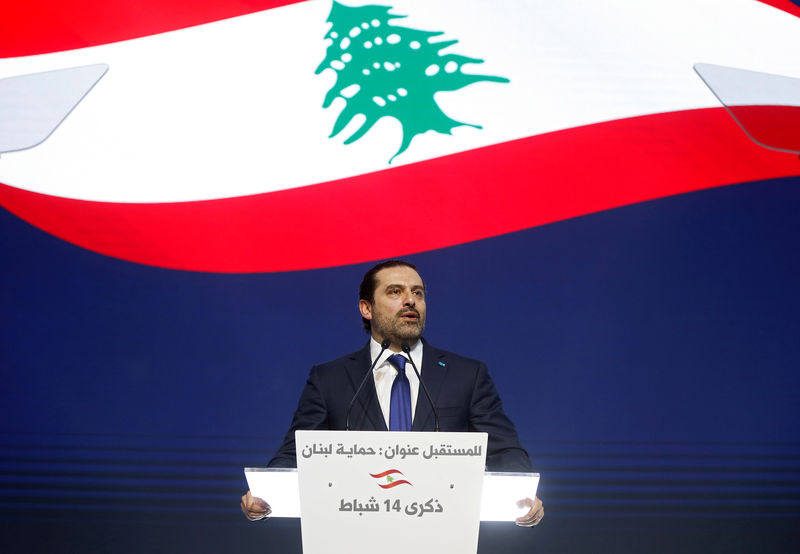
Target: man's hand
<point x="534" y="515"/>
<point x="254" y="508"/>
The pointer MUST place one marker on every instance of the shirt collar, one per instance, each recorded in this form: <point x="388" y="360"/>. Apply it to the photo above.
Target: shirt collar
<point x="375" y="348"/>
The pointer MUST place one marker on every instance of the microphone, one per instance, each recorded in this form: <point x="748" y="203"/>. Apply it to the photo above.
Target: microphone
<point x="384" y="345"/>
<point x="407" y="349"/>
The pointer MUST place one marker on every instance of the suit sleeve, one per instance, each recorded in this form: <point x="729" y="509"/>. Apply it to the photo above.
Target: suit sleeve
<point x="504" y="451"/>
<point x="311" y="414"/>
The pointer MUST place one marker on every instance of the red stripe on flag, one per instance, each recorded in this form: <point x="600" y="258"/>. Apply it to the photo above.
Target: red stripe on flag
<point x="40" y="26"/>
<point x="442" y="202"/>
<point x="774" y="126"/>
<point x="394" y="484"/>
<point x="385" y="473"/>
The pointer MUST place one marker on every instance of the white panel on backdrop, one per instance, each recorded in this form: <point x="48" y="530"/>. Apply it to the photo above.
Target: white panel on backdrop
<point x="32" y="106"/>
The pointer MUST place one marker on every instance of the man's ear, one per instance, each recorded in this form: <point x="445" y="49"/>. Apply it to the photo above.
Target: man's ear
<point x="365" y="308"/>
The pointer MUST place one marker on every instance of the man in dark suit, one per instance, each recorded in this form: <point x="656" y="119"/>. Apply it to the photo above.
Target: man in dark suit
<point x="393" y="310"/>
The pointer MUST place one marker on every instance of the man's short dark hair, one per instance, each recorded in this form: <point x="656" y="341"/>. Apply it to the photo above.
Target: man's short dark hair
<point x="369" y="283"/>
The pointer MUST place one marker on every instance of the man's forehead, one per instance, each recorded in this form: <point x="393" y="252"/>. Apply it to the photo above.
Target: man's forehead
<point x="399" y="275"/>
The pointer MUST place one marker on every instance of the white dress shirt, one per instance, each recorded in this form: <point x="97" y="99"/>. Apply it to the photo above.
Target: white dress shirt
<point x="385" y="373"/>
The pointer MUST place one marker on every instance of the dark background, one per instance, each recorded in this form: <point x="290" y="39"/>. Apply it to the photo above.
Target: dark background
<point x="649" y="356"/>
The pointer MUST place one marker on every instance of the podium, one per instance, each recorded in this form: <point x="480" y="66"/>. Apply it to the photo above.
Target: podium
<point x="399" y="492"/>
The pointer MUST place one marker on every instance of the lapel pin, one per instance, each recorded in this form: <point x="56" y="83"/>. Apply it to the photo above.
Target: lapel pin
<point x="441" y="364"/>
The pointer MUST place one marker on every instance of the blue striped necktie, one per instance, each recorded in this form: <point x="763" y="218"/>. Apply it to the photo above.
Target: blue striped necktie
<point x="400" y="403"/>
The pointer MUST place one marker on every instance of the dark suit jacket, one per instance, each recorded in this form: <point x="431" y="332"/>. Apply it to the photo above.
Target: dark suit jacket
<point x="460" y="388"/>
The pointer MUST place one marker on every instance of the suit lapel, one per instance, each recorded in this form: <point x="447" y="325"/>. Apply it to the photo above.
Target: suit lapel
<point x="434" y="371"/>
<point x="367" y="401"/>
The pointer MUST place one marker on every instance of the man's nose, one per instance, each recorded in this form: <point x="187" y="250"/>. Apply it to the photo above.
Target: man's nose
<point x="408" y="299"/>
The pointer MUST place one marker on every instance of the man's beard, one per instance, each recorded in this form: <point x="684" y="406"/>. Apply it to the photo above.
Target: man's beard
<point x="399" y="330"/>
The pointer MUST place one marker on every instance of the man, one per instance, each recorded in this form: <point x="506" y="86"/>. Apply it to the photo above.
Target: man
<point x="393" y="310"/>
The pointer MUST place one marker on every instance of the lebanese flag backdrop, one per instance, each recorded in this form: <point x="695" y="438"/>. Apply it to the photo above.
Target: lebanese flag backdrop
<point x="604" y="234"/>
<point x="603" y="109"/>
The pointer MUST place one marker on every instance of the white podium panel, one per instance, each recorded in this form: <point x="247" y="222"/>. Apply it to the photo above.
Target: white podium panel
<point x="499" y="496"/>
<point x="276" y="486"/>
<point x="502" y="491"/>
<point x="393" y="492"/>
